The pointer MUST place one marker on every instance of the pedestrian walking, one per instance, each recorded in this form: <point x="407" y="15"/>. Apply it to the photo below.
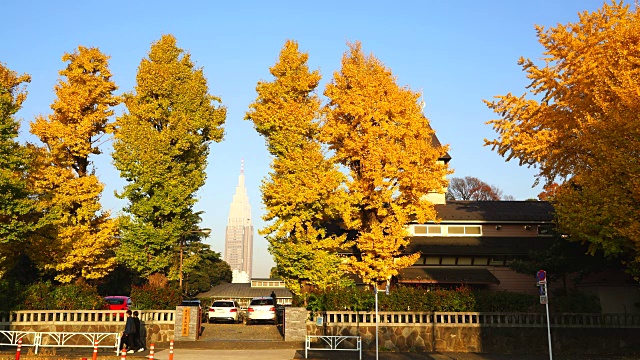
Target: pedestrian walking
<point x="127" y="335"/>
<point x="137" y="342"/>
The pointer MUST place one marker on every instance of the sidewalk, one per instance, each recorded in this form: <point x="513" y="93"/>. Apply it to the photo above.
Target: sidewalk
<point x="286" y="354"/>
<point x="290" y="354"/>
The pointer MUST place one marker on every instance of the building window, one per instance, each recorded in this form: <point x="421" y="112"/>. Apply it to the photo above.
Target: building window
<point x="448" y="260"/>
<point x="462" y="230"/>
<point x="480" y="260"/>
<point x="427" y="230"/>
<point x="445" y="230"/>
<point x="545" y="230"/>
<point x="432" y="260"/>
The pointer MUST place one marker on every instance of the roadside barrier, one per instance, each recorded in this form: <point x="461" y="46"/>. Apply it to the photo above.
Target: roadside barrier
<point x="95" y="350"/>
<point x="327" y="342"/>
<point x="151" y="351"/>
<point x="171" y="350"/>
<point x="18" y="349"/>
<point x="123" y="356"/>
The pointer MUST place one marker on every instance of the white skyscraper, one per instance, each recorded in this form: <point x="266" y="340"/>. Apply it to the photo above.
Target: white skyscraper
<point x="238" y="242"/>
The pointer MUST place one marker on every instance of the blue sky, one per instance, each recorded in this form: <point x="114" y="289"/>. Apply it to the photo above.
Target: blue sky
<point x="456" y="52"/>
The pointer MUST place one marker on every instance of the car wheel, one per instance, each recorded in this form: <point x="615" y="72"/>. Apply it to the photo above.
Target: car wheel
<point x="211" y="321"/>
<point x="247" y="322"/>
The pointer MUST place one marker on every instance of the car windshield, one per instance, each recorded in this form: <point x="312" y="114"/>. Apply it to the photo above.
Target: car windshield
<point x="115" y="301"/>
<point x="267" y="301"/>
<point x="223" y="304"/>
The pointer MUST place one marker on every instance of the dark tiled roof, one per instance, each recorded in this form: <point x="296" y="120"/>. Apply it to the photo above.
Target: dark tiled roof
<point x="447" y="275"/>
<point x="238" y="291"/>
<point x="476" y="245"/>
<point x="436" y="144"/>
<point x="496" y="211"/>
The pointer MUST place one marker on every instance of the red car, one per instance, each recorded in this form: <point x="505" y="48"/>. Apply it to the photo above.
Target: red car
<point x="118" y="303"/>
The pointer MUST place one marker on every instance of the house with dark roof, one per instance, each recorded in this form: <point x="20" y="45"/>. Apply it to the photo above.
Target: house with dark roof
<point x="474" y="241"/>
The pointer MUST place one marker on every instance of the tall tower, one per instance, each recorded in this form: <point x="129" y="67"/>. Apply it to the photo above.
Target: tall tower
<point x="238" y="241"/>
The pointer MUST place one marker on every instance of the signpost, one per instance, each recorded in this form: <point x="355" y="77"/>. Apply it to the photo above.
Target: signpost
<point x="544" y="300"/>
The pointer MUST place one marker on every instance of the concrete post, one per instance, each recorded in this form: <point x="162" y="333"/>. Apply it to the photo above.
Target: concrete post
<point x="187" y="323"/>
<point x="295" y="323"/>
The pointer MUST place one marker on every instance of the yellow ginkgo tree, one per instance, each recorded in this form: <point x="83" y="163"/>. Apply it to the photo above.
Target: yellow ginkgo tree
<point x="77" y="238"/>
<point x="580" y="125"/>
<point x="302" y="194"/>
<point x="377" y="132"/>
<point x="346" y="177"/>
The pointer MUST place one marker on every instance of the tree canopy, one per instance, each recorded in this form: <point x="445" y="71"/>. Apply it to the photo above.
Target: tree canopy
<point x="302" y="194"/>
<point x="160" y="147"/>
<point x="347" y="176"/>
<point x="76" y="238"/>
<point x="15" y="204"/>
<point x="580" y="125"/>
<point x="377" y="131"/>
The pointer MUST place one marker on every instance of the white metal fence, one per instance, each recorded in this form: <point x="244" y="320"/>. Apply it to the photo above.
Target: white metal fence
<point x="59" y="339"/>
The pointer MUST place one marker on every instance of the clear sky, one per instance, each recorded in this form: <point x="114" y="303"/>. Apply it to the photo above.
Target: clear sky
<point x="455" y="52"/>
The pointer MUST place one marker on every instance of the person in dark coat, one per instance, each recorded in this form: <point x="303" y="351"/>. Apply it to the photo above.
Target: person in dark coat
<point x="128" y="333"/>
<point x="136" y="342"/>
<point x="275" y="300"/>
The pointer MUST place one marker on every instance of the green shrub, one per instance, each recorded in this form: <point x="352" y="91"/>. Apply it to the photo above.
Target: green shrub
<point x="460" y="299"/>
<point x="404" y="298"/>
<point x="77" y="297"/>
<point x="574" y="303"/>
<point x="10" y="296"/>
<point x="47" y="296"/>
<point x="148" y="297"/>
<point x="505" y="301"/>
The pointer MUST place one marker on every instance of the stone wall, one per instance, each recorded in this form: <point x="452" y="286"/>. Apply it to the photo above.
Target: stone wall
<point x="505" y="340"/>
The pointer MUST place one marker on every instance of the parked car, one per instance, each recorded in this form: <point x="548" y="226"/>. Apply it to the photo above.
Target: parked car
<point x="121" y="303"/>
<point x="261" y="309"/>
<point x="227" y="310"/>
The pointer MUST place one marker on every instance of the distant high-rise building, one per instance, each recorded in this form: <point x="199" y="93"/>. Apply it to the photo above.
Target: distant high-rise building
<point x="238" y="241"/>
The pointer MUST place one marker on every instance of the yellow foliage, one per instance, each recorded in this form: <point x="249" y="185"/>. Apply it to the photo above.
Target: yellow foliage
<point x="376" y="129"/>
<point x="302" y="193"/>
<point x="77" y="239"/>
<point x="582" y="129"/>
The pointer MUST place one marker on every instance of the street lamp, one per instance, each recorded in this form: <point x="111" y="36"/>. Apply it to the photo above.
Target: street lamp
<point x="204" y="232"/>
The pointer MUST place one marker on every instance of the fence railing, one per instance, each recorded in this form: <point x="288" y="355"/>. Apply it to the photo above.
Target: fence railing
<point x="34" y="317"/>
<point x="482" y="319"/>
<point x="38" y="339"/>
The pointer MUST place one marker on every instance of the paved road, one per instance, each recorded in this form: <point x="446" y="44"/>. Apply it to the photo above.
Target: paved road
<point x="285" y="351"/>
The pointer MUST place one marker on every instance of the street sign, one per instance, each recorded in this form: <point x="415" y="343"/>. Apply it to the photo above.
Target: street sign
<point x="544" y="299"/>
<point x="542" y="276"/>
<point x="543" y="290"/>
